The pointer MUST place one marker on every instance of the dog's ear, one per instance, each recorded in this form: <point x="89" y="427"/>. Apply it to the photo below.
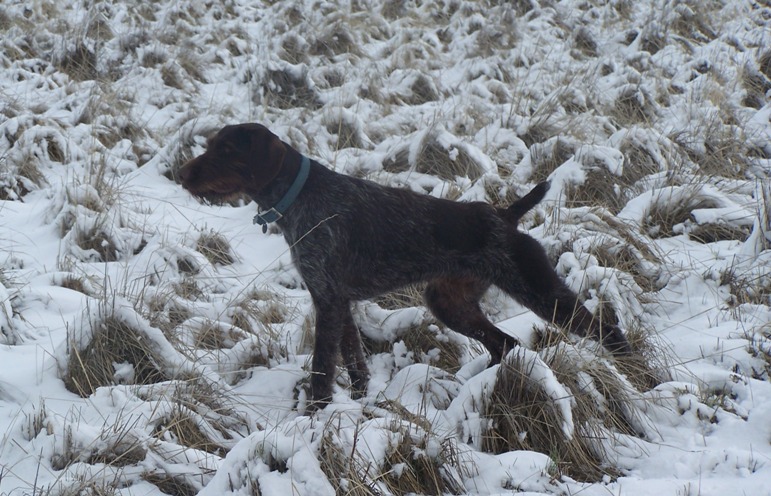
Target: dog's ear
<point x="268" y="157"/>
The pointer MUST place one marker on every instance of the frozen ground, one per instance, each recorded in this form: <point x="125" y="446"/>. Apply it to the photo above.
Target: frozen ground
<point x="155" y="345"/>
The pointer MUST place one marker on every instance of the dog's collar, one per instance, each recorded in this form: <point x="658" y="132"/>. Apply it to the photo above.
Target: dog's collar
<point x="275" y="212"/>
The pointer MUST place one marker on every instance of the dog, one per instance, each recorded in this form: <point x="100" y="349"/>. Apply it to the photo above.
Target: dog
<point x="352" y="239"/>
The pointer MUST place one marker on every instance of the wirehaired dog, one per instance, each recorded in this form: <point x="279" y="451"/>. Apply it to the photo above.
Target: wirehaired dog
<point x="352" y="239"/>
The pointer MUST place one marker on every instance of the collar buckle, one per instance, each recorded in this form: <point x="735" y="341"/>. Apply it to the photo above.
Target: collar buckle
<point x="268" y="216"/>
<point x="276" y="212"/>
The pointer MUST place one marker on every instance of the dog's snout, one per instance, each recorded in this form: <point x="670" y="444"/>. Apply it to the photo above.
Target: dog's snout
<point x="183" y="173"/>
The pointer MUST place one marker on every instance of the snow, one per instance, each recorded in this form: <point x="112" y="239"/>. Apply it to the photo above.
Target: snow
<point x="101" y="101"/>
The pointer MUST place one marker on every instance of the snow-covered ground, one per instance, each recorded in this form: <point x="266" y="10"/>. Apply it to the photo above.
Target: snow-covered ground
<point x="154" y="345"/>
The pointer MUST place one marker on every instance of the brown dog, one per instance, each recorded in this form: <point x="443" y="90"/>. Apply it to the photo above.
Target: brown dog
<point x="352" y="239"/>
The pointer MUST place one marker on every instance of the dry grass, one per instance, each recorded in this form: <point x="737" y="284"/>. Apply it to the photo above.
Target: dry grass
<point x="165" y="313"/>
<point x="524" y="417"/>
<point x="434" y="345"/>
<point x="415" y="463"/>
<point x="548" y="154"/>
<point x="718" y="231"/>
<point x="439" y="154"/>
<point x="346" y="471"/>
<point x="113" y="342"/>
<point x="189" y="289"/>
<point x="174" y="485"/>
<point x="182" y="428"/>
<point x="336" y="39"/>
<point x="211" y="335"/>
<point x="87" y="487"/>
<point x="614" y="244"/>
<point x="603" y="188"/>
<point x="348" y="134"/>
<point x="717" y="148"/>
<point x="406" y="297"/>
<point x="294" y="49"/>
<point x="760" y="348"/>
<point x="747" y="287"/>
<point x="584" y="41"/>
<point x="35" y="422"/>
<point x="418" y="464"/>
<point x="428" y="343"/>
<point x="618" y="253"/>
<point x="663" y="216"/>
<point x="21" y="177"/>
<point x="195" y="413"/>
<point x="79" y="62"/>
<point x="95" y="240"/>
<point x="633" y="105"/>
<point x="74" y="283"/>
<point x="422" y="90"/>
<point x="648" y="365"/>
<point x="215" y="248"/>
<point x="284" y="89"/>
<point x="257" y="310"/>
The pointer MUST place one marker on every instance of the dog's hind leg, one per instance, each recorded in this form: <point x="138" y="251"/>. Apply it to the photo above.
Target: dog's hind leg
<point x="533" y="282"/>
<point x="455" y="302"/>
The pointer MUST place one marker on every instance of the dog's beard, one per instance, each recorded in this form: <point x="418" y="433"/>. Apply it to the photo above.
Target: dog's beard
<point x="216" y="198"/>
<point x="215" y="193"/>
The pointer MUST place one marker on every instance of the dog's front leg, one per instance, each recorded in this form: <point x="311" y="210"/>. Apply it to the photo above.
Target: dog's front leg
<point x="329" y="331"/>
<point x="353" y="354"/>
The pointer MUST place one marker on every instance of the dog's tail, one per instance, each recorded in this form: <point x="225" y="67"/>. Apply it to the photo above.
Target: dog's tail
<point x="516" y="210"/>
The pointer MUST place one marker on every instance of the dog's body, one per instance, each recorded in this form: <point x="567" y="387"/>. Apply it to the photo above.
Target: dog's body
<point x="353" y="239"/>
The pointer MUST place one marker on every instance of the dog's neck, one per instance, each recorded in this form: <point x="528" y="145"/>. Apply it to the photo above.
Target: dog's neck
<point x="278" y="195"/>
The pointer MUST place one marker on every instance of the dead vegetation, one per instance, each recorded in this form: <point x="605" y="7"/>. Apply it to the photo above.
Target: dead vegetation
<point x="113" y="342"/>
<point x="319" y="70"/>
<point x="215" y="248"/>
<point x="524" y="416"/>
<point x="286" y="88"/>
<point x="415" y="463"/>
<point x="439" y="153"/>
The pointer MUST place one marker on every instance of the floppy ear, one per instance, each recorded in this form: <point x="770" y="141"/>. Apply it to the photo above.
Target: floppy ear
<point x="268" y="158"/>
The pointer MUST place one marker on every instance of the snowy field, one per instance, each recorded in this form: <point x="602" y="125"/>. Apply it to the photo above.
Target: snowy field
<point x="155" y="345"/>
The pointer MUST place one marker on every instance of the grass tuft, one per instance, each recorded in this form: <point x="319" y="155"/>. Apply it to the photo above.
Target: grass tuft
<point x="419" y="464"/>
<point x="432" y="344"/>
<point x="113" y="341"/>
<point x="406" y="297"/>
<point x="585" y="42"/>
<point x="95" y="240"/>
<point x="348" y="133"/>
<point x="287" y="88"/>
<point x="439" y="153"/>
<point x="215" y="248"/>
<point x="346" y="472"/>
<point x="79" y="62"/>
<point x="633" y="105"/>
<point x="182" y="427"/>
<point x="548" y="154"/>
<point x="647" y="367"/>
<point x="336" y="39"/>
<point x="525" y="417"/>
<point x="663" y="216"/>
<point x="170" y="484"/>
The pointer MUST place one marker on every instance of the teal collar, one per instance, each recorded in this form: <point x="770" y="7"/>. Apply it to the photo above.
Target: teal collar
<point x="275" y="212"/>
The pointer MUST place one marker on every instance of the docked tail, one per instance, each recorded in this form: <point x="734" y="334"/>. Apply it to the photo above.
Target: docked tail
<point x="516" y="210"/>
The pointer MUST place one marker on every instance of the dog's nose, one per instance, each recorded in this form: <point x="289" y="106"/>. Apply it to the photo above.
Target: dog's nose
<point x="183" y="173"/>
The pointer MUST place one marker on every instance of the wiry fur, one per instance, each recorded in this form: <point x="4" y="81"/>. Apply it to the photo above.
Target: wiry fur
<point x="352" y="239"/>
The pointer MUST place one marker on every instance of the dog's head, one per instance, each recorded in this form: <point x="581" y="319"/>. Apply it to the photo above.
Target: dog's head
<point x="239" y="159"/>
